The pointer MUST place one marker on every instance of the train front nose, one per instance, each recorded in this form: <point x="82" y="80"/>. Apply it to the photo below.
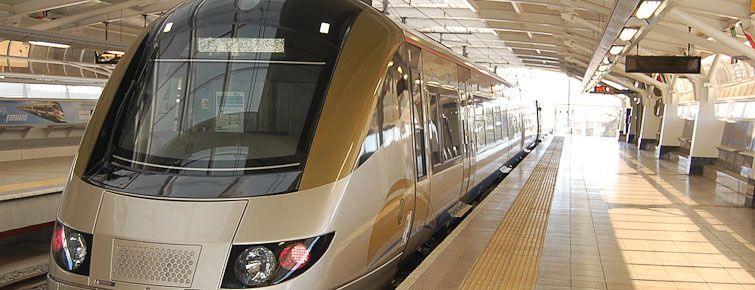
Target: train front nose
<point x="140" y="242"/>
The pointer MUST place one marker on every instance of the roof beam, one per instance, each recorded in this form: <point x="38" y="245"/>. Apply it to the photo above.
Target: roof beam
<point x="713" y="32"/>
<point x="727" y="8"/>
<point x="159" y="6"/>
<point x="88" y="14"/>
<point x="33" y="6"/>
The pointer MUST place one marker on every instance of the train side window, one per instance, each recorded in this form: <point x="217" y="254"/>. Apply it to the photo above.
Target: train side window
<point x="480" y="125"/>
<point x="434" y="126"/>
<point x="383" y="125"/>
<point x="505" y="126"/>
<point x="451" y="125"/>
<point x="498" y="123"/>
<point x="418" y="116"/>
<point x="489" y="125"/>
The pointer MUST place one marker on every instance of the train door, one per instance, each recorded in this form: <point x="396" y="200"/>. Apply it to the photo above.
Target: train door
<point x="539" y="120"/>
<point x="467" y="122"/>
<point x="419" y="232"/>
<point x="441" y="81"/>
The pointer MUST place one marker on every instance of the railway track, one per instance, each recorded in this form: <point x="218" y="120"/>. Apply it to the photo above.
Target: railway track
<point x="31" y="277"/>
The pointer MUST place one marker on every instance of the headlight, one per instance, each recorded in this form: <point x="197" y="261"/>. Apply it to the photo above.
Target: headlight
<point x="255" y="266"/>
<point x="251" y="266"/>
<point x="70" y="249"/>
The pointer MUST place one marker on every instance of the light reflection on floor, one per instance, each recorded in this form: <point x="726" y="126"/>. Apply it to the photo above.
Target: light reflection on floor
<point x="625" y="220"/>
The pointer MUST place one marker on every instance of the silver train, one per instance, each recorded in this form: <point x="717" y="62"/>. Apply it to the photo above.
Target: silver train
<point x="282" y="144"/>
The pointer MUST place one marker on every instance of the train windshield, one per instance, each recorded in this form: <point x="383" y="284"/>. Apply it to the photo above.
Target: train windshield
<point x="231" y="86"/>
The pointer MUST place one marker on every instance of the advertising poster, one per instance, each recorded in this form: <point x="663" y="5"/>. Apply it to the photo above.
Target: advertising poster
<point x="45" y="112"/>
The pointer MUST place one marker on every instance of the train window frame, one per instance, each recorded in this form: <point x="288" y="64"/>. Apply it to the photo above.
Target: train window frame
<point x="479" y="112"/>
<point x="433" y="124"/>
<point x="505" y="123"/>
<point x="414" y="56"/>
<point x="497" y="122"/>
<point x="452" y="139"/>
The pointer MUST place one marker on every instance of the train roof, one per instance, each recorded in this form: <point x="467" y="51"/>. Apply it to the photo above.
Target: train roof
<point x="413" y="34"/>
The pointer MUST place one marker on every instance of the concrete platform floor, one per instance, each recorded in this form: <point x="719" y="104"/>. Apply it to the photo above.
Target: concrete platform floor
<point x="622" y="219"/>
<point x="34" y="175"/>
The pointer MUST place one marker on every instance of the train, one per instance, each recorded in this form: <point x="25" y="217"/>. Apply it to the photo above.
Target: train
<point x="51" y="111"/>
<point x="279" y="144"/>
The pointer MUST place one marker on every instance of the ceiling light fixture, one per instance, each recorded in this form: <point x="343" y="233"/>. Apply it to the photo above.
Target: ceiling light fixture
<point x="616" y="49"/>
<point x="628" y="33"/>
<point x="49" y="44"/>
<point x="647" y="9"/>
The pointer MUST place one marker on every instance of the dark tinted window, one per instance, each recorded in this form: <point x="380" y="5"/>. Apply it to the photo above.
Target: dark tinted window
<point x="434" y="126"/>
<point x="222" y="99"/>
<point x="451" y="125"/>
<point x="232" y="85"/>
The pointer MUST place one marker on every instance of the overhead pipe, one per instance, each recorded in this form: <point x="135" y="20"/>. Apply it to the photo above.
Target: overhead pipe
<point x="24" y="34"/>
<point x="95" y="68"/>
<point x="715" y="33"/>
<point x="59" y="79"/>
<point x="90" y="13"/>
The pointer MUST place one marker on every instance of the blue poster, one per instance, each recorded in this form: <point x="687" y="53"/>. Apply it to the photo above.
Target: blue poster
<point x="45" y="112"/>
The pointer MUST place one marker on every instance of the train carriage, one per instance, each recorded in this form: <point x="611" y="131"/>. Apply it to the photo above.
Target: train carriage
<point x="286" y="144"/>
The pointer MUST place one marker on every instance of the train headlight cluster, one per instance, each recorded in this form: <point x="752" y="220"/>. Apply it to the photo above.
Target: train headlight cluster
<point x="70" y="249"/>
<point x="255" y="266"/>
<point x="252" y="266"/>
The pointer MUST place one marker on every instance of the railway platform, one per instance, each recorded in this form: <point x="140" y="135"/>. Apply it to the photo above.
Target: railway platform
<point x="29" y="194"/>
<point x="583" y="213"/>
<point x="29" y="191"/>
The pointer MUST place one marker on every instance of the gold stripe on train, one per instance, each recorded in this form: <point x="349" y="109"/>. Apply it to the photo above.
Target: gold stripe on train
<point x="350" y="100"/>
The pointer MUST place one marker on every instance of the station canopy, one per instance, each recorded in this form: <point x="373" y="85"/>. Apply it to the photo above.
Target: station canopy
<point x="570" y="36"/>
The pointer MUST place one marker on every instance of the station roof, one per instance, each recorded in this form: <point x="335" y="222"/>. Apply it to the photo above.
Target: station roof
<point x="570" y="36"/>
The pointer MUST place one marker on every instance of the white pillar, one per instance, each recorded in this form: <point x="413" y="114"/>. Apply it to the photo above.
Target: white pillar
<point x="671" y="129"/>
<point x="650" y="125"/>
<point x="634" y="122"/>
<point x="707" y="133"/>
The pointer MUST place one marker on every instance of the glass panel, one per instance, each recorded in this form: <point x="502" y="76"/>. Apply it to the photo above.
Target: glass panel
<point x="12" y="90"/>
<point x="480" y="125"/>
<point x="505" y="125"/>
<point x="383" y="127"/>
<point x="42" y="91"/>
<point x="489" y="126"/>
<point x="498" y="123"/>
<point x="418" y="116"/>
<point x="451" y="125"/>
<point x="434" y="127"/>
<point x="231" y="88"/>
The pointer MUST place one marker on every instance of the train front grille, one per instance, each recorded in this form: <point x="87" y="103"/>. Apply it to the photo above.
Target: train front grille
<point x="154" y="264"/>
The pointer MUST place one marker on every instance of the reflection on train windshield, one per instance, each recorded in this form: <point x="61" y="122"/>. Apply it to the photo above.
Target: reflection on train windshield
<point x="232" y="96"/>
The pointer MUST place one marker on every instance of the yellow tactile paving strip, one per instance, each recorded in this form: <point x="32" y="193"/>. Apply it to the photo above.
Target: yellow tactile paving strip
<point x="32" y="184"/>
<point x="510" y="260"/>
